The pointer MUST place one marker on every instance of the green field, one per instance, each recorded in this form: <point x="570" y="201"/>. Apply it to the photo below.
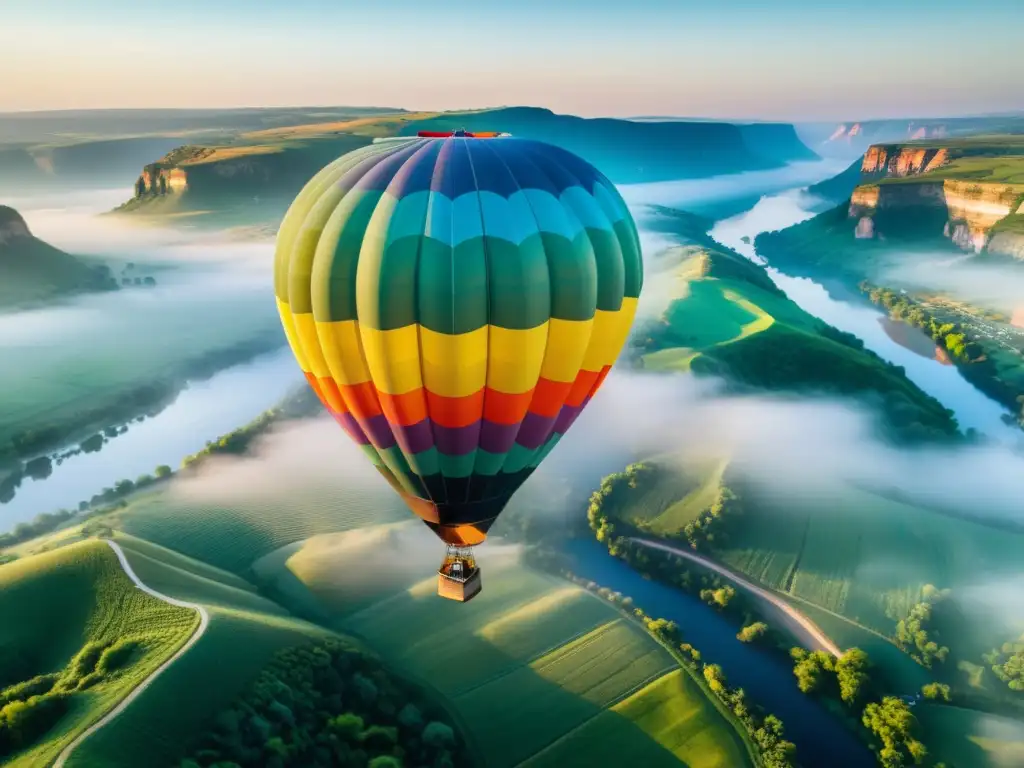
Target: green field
<point x="55" y="604"/>
<point x="534" y="662"/>
<point x="728" y="319"/>
<point x="245" y="631"/>
<point x="233" y="536"/>
<point x="861" y="556"/>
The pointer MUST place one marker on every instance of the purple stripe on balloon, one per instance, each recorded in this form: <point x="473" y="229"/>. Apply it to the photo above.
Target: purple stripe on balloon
<point x="567" y="416"/>
<point x="497" y="438"/>
<point x="415" y="438"/>
<point x="457" y="441"/>
<point x="379" y="432"/>
<point x="534" y="430"/>
<point x="351" y="427"/>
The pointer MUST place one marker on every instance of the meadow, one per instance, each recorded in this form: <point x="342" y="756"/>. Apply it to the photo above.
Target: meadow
<point x="539" y="662"/>
<point x="70" y="606"/>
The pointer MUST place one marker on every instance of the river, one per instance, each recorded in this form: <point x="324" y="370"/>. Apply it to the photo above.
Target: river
<point x="768" y="679"/>
<point x="973" y="409"/>
<point x="203" y="411"/>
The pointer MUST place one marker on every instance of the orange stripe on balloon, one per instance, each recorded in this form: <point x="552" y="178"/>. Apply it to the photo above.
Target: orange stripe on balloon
<point x="406" y="409"/>
<point x="362" y="399"/>
<point x="456" y="411"/>
<point x="581" y="388"/>
<point x="549" y="396"/>
<point x="331" y="396"/>
<point x="503" y="408"/>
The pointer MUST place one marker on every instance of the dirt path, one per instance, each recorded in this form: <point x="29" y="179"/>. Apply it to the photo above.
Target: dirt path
<point x="204" y="621"/>
<point x="804" y="628"/>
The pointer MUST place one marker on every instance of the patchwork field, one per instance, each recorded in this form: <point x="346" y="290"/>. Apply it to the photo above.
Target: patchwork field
<point x="533" y="662"/>
<point x="64" y="610"/>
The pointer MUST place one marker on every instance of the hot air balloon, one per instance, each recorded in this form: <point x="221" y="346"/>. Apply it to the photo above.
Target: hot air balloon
<point x="455" y="300"/>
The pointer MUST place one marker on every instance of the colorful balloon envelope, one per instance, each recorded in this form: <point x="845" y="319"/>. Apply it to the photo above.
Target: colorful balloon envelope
<point x="456" y="301"/>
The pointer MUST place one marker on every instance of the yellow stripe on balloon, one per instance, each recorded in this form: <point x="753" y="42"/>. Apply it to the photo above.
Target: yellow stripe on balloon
<point x="611" y="330"/>
<point x="342" y="346"/>
<point x="292" y="335"/>
<point x="393" y="358"/>
<point x="567" y="345"/>
<point x="305" y="328"/>
<point x="515" y="357"/>
<point x="454" y="365"/>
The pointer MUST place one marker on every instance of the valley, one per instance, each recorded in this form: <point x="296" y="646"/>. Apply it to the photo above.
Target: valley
<point x="298" y="554"/>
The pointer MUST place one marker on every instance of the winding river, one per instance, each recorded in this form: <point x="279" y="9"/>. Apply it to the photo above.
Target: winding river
<point x="768" y="679"/>
<point x="973" y="409"/>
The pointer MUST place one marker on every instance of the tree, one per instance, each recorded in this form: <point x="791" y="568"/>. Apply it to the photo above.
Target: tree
<point x="893" y="723"/>
<point x="752" y="632"/>
<point x="162" y="471"/>
<point x="348" y="726"/>
<point x="438" y="735"/>
<point x="939" y="691"/>
<point x="852" y="674"/>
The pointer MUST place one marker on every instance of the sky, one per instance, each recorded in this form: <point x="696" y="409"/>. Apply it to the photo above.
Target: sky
<point x="767" y="59"/>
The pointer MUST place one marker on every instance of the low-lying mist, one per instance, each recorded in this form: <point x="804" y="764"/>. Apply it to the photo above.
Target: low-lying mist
<point x="793" y="446"/>
<point x="211" y="294"/>
<point x="985" y="283"/>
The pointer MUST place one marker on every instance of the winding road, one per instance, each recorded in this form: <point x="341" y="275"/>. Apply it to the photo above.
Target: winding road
<point x="800" y="624"/>
<point x="204" y="621"/>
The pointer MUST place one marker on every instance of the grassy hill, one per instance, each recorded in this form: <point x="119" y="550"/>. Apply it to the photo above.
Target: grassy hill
<point x="106" y="148"/>
<point x="80" y="636"/>
<point x="727" y="318"/>
<point x="32" y="271"/>
<point x="245" y="631"/>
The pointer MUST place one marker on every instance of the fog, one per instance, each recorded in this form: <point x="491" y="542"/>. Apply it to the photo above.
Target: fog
<point x="793" y="446"/>
<point x="697" y="194"/>
<point x="212" y="293"/>
<point x="993" y="285"/>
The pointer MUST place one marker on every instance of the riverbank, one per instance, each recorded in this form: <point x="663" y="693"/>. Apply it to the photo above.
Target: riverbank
<point x="33" y="454"/>
<point x="301" y="403"/>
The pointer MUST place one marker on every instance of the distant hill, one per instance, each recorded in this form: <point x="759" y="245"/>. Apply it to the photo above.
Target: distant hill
<point x="853" y="138"/>
<point x="258" y="173"/>
<point x="31" y="270"/>
<point x="631" y="152"/>
<point x="46" y="150"/>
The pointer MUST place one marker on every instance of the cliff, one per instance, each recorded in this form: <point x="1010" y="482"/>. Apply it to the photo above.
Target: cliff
<point x="854" y="137"/>
<point x="630" y="152"/>
<point x="258" y="173"/>
<point x="966" y="210"/>
<point x="33" y="271"/>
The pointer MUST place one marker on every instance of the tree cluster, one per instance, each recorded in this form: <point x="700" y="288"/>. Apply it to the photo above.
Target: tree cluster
<point x="820" y="672"/>
<point x="330" y="705"/>
<point x="916" y="635"/>
<point x="894" y="724"/>
<point x="28" y="710"/>
<point x="1007" y="663"/>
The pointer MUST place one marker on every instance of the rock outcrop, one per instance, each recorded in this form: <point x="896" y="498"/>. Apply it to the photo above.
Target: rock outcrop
<point x="971" y="208"/>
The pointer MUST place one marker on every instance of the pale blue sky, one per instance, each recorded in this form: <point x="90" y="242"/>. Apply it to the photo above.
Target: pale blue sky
<point x="781" y="59"/>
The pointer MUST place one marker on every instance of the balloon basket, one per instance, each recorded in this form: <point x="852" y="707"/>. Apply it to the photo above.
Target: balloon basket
<point x="458" y="578"/>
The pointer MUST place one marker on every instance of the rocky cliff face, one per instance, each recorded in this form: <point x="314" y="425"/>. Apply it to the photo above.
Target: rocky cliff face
<point x="896" y="161"/>
<point x="971" y="208"/>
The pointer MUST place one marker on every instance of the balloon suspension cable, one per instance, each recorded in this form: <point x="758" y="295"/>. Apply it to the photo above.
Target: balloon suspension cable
<point x="459" y="563"/>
